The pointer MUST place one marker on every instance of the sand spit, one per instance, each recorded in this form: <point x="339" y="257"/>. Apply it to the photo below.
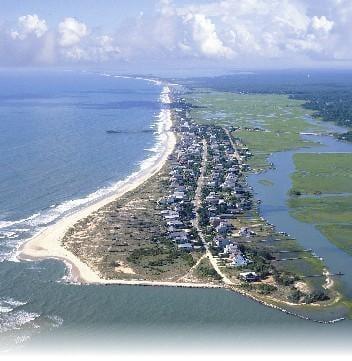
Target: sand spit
<point x="47" y="244"/>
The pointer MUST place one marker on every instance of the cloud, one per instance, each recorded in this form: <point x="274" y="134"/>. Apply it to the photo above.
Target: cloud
<point x="322" y="24"/>
<point x="166" y="8"/>
<point x="106" y="47"/>
<point x="271" y="30"/>
<point x="71" y="31"/>
<point x="206" y="39"/>
<point x="29" y="25"/>
<point x="33" y="43"/>
<point x="233" y="32"/>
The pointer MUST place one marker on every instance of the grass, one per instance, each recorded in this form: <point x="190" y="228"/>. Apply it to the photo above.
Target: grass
<point x="348" y="304"/>
<point x="265" y="111"/>
<point x="206" y="270"/>
<point x="323" y="173"/>
<point x="329" y="175"/>
<point x="265" y="123"/>
<point x="339" y="234"/>
<point x="321" y="210"/>
<point x="262" y="144"/>
<point x="131" y="232"/>
<point x="278" y="120"/>
<point x="225" y="108"/>
<point x="270" y="141"/>
<point x="307" y="265"/>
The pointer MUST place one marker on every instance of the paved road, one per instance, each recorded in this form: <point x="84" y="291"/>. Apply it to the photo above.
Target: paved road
<point x="237" y="155"/>
<point x="197" y="204"/>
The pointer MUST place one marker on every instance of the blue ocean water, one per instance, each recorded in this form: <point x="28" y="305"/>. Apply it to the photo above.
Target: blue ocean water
<point x="55" y="153"/>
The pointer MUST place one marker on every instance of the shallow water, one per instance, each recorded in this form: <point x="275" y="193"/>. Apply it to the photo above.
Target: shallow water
<point x="55" y="153"/>
<point x="274" y="206"/>
<point x="54" y="149"/>
<point x="54" y="314"/>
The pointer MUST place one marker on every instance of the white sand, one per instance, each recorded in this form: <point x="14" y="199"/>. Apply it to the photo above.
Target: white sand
<point x="47" y="244"/>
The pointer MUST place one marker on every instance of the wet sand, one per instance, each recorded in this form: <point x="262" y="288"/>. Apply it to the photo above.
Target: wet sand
<point x="48" y="243"/>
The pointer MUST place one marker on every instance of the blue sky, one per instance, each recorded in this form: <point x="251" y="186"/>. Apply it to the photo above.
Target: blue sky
<point x="225" y="33"/>
<point x="97" y="13"/>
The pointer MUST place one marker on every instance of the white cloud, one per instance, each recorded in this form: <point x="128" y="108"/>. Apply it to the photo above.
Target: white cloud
<point x="322" y="24"/>
<point x="106" y="43"/>
<point x="28" y="25"/>
<point x="105" y="48"/>
<point x="274" y="29"/>
<point x="75" y="53"/>
<point x="166" y="7"/>
<point x="226" y="31"/>
<point x="71" y="31"/>
<point x="206" y="38"/>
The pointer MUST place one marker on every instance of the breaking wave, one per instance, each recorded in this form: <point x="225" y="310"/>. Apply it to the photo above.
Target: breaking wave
<point x="13" y="233"/>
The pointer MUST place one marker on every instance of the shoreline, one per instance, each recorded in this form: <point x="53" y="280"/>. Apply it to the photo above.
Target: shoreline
<point x="47" y="243"/>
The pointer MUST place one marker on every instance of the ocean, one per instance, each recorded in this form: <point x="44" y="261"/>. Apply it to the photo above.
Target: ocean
<point x="57" y="156"/>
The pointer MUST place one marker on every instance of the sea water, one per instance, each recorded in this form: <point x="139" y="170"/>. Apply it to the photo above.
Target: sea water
<point x="56" y="156"/>
<point x="55" y="151"/>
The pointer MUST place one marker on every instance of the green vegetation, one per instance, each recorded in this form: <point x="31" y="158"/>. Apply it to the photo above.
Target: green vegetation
<point x="259" y="111"/>
<point x="326" y="175"/>
<point x="288" y="272"/>
<point x="334" y="105"/>
<point x="323" y="173"/>
<point x="260" y="260"/>
<point x="155" y="257"/>
<point x="327" y="95"/>
<point x="264" y="124"/>
<point x="322" y="210"/>
<point x="316" y="296"/>
<point x="262" y="144"/>
<point x="295" y="296"/>
<point x="206" y="270"/>
<point x="348" y="304"/>
<point x="265" y="289"/>
<point x="285" y="278"/>
<point x="267" y="123"/>
<point x="339" y="234"/>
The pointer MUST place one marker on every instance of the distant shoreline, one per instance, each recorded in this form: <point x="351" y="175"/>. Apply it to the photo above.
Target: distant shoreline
<point x="47" y="244"/>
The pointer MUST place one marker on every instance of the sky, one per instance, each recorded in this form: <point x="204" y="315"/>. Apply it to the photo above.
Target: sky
<point x="241" y="34"/>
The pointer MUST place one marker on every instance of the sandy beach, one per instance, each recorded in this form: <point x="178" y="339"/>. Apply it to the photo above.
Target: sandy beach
<point x="47" y="244"/>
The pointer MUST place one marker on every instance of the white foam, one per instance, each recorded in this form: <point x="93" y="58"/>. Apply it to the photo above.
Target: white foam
<point x="15" y="320"/>
<point x="57" y="321"/>
<point x="7" y="224"/>
<point x="154" y="81"/>
<point x="67" y="277"/>
<point x="22" y="339"/>
<point x="8" y="235"/>
<point x="37" y="222"/>
<point x="5" y="309"/>
<point x="10" y="318"/>
<point x="9" y="304"/>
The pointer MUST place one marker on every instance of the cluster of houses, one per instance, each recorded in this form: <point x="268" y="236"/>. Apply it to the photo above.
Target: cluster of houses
<point x="178" y="206"/>
<point x="225" y="195"/>
<point x="232" y="253"/>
